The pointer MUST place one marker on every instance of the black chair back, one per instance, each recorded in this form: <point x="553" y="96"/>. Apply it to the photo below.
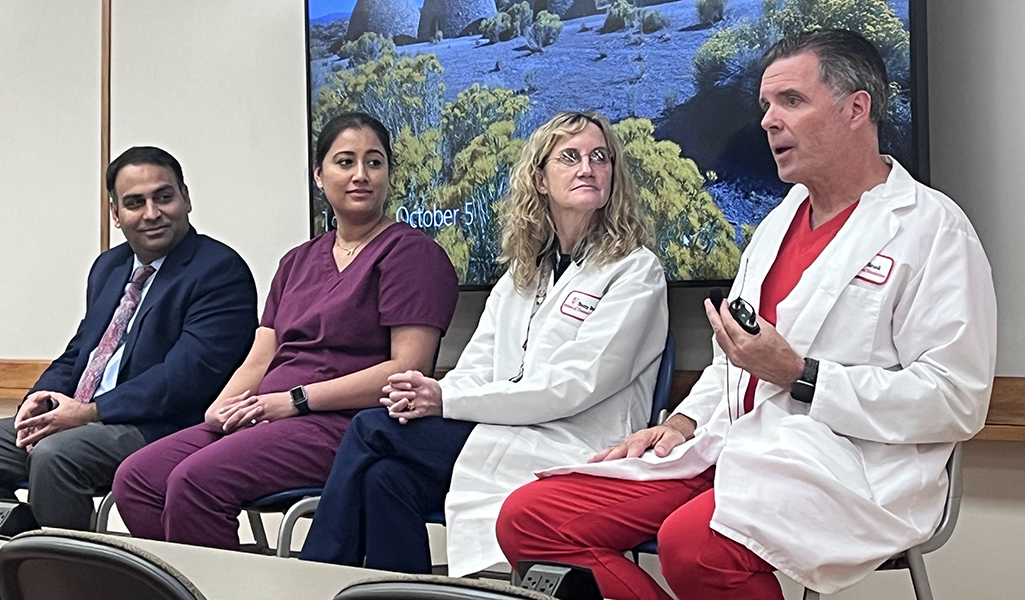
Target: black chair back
<point x="663" y="383"/>
<point x="69" y="565"/>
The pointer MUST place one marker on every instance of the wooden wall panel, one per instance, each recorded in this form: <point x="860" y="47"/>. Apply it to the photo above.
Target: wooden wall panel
<point x="16" y="377"/>
<point x="1005" y="421"/>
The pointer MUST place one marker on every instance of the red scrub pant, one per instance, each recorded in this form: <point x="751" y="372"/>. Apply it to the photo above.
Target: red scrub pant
<point x="591" y="521"/>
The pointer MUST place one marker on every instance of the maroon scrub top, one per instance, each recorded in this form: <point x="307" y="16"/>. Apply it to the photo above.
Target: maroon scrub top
<point x="329" y="324"/>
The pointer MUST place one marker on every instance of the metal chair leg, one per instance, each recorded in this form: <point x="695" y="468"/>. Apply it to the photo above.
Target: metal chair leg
<point x="302" y="508"/>
<point x="259" y="535"/>
<point x="810" y="594"/>
<point x="919" y="576"/>
<point x="102" y="524"/>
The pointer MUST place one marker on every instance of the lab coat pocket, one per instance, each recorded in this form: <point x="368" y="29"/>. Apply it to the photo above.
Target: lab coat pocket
<point x="813" y="444"/>
<point x="849" y="331"/>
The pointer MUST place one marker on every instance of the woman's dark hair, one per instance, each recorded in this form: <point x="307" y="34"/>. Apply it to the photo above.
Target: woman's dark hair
<point x="142" y="155"/>
<point x="351" y="120"/>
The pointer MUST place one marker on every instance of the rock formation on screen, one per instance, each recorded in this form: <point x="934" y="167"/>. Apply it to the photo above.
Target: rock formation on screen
<point x="389" y="18"/>
<point x="453" y="17"/>
<point x="571" y="9"/>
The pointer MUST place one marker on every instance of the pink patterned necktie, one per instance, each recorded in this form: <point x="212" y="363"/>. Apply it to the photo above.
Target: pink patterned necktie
<point x="111" y="339"/>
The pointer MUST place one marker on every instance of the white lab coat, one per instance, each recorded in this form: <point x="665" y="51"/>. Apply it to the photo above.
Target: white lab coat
<point x="825" y="493"/>
<point x="588" y="382"/>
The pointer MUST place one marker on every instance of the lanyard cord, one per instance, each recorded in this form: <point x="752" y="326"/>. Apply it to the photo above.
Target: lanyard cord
<point x="539" y="298"/>
<point x="740" y="376"/>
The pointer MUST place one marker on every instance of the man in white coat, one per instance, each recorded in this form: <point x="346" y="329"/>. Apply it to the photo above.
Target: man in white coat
<point x="817" y="446"/>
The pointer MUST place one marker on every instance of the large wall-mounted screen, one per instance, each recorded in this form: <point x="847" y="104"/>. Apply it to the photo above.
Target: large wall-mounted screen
<point x="461" y="83"/>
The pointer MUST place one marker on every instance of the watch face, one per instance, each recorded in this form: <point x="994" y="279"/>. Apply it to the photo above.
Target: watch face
<point x="300" y="400"/>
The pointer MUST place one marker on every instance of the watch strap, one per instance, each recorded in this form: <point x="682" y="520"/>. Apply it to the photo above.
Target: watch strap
<point x="803" y="389"/>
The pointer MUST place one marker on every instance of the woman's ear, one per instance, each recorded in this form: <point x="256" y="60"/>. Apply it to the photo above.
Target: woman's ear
<point x="540" y="184"/>
<point x="316" y="177"/>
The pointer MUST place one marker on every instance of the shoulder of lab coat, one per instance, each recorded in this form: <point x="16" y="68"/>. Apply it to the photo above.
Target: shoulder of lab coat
<point x="612" y="347"/>
<point x="943" y="320"/>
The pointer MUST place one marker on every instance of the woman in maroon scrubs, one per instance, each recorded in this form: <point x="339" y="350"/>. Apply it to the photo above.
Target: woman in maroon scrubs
<point x="345" y="310"/>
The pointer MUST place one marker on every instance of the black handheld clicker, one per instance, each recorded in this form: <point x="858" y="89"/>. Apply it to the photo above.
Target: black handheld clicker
<point x="743" y="313"/>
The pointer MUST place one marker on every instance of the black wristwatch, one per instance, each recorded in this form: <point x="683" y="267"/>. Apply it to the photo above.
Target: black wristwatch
<point x="803" y="389"/>
<point x="300" y="400"/>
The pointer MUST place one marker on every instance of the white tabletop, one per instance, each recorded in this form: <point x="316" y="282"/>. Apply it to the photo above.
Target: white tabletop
<point x="225" y="575"/>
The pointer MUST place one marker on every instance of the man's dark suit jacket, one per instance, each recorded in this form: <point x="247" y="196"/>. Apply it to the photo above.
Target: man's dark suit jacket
<point x="192" y="330"/>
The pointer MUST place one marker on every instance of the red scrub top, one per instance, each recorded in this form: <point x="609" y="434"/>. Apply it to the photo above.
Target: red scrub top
<point x="801" y="246"/>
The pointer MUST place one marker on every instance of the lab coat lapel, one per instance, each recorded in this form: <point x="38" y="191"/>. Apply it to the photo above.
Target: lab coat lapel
<point x="754" y="267"/>
<point x="870" y="227"/>
<point x="556" y="289"/>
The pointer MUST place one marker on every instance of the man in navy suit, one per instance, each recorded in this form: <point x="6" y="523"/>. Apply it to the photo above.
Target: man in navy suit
<point x="169" y="316"/>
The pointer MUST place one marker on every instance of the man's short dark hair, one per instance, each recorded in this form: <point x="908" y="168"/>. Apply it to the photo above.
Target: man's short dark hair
<point x="847" y="63"/>
<point x="143" y="155"/>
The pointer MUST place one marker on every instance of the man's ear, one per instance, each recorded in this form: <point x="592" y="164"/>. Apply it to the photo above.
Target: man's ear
<point x="188" y="201"/>
<point x="861" y="106"/>
<point x="113" y="213"/>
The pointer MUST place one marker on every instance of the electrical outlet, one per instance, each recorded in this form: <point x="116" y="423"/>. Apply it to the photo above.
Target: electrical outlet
<point x="544" y="578"/>
<point x="565" y="582"/>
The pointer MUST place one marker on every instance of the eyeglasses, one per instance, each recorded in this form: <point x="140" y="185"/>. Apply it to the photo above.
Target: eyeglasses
<point x="570" y="157"/>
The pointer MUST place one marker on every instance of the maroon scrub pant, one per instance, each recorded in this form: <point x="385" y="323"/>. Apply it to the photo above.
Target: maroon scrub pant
<point x="591" y="521"/>
<point x="190" y="486"/>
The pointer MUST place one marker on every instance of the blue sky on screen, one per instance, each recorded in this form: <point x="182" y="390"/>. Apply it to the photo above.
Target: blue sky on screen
<point x="319" y="8"/>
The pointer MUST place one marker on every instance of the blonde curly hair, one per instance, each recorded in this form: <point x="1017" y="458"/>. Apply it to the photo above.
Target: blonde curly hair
<point x="616" y="229"/>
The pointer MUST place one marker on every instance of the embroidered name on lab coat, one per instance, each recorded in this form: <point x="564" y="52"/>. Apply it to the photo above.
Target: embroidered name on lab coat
<point x="579" y="305"/>
<point x="877" y="270"/>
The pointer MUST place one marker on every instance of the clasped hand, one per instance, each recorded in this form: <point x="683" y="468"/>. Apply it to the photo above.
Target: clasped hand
<point x="35" y="420"/>
<point x="247" y="410"/>
<point x="411" y="395"/>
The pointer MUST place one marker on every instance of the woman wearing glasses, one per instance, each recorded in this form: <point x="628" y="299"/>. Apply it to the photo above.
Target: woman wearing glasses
<point x="562" y="364"/>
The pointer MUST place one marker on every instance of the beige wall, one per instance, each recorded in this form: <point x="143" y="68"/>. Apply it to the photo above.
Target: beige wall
<point x="49" y="165"/>
<point x="221" y="85"/>
<point x="978" y="130"/>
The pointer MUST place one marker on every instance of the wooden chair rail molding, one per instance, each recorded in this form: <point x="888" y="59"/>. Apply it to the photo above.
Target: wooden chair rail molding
<point x="17" y="376"/>
<point x="1006" y="419"/>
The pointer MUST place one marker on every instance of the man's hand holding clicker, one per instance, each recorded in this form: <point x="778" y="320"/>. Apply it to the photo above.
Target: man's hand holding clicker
<point x="662" y="438"/>
<point x="33" y="425"/>
<point x="766" y="355"/>
<point x="35" y="404"/>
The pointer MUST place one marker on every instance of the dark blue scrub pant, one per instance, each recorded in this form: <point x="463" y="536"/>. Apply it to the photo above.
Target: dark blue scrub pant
<point x="386" y="479"/>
